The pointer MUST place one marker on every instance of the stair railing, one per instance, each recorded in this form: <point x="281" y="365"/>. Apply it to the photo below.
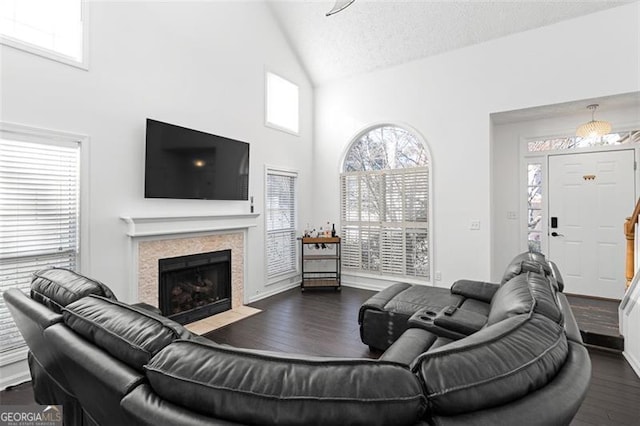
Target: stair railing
<point x="630" y="232"/>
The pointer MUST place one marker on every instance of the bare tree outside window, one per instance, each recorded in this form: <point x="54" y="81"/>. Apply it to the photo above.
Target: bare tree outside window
<point x="385" y="204"/>
<point x="574" y="142"/>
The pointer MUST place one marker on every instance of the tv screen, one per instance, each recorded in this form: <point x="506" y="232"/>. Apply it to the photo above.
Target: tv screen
<point x="189" y="164"/>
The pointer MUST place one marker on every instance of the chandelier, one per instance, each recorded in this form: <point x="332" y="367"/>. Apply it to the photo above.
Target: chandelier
<point x="340" y="5"/>
<point x="593" y="128"/>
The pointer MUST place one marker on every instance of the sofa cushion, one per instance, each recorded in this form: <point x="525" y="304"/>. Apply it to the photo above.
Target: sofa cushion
<point x="476" y="306"/>
<point x="418" y="297"/>
<point x="512" y="298"/>
<point x="57" y="287"/>
<point x="132" y="335"/>
<point x="285" y="389"/>
<point x="494" y="366"/>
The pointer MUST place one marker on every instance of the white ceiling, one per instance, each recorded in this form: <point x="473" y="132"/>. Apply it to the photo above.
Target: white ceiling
<point x="374" y="34"/>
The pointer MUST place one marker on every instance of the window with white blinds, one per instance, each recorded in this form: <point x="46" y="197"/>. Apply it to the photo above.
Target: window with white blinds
<point x="39" y="217"/>
<point x="385" y="205"/>
<point x="281" y="223"/>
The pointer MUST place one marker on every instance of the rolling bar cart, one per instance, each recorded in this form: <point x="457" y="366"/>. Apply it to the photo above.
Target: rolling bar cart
<point x="327" y="276"/>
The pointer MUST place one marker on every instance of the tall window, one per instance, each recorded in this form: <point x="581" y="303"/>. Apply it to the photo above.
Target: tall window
<point x="52" y="28"/>
<point x="281" y="223"/>
<point x="385" y="204"/>
<point x="39" y="216"/>
<point x="534" y="206"/>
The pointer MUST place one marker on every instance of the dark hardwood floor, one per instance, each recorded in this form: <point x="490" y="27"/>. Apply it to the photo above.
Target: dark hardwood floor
<point x="325" y="323"/>
<point x="317" y="322"/>
<point x="598" y="321"/>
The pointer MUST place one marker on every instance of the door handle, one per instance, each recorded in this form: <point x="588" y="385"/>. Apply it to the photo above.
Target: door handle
<point x="555" y="234"/>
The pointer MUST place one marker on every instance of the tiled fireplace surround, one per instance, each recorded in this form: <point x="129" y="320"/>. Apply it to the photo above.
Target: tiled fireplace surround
<point x="154" y="238"/>
<point x="149" y="252"/>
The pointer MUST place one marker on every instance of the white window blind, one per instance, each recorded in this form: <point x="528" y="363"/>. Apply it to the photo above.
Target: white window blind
<point x="385" y="221"/>
<point x="39" y="217"/>
<point x="281" y="223"/>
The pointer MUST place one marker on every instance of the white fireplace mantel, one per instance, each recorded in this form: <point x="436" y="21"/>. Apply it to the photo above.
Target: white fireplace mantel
<point x="145" y="226"/>
<point x="171" y="236"/>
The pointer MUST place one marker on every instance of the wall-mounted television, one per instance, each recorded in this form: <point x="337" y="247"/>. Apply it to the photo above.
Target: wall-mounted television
<point x="183" y="163"/>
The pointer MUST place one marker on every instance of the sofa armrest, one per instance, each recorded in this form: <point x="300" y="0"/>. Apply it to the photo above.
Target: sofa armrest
<point x="478" y="290"/>
<point x="378" y="301"/>
<point x="570" y="325"/>
<point x="460" y="321"/>
<point x="145" y="408"/>
<point x="411" y="343"/>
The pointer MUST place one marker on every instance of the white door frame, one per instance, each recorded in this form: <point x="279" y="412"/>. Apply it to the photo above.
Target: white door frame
<point x="542" y="157"/>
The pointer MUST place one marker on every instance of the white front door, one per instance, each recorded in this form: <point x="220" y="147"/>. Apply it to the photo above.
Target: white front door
<point x="590" y="195"/>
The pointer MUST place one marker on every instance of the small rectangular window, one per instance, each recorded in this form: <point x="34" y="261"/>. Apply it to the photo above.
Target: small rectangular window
<point x="53" y="29"/>
<point x="282" y="103"/>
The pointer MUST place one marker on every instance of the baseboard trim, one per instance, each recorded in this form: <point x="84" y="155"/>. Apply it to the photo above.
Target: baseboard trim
<point x="272" y="292"/>
<point x="14" y="373"/>
<point x="363" y="286"/>
<point x="633" y="362"/>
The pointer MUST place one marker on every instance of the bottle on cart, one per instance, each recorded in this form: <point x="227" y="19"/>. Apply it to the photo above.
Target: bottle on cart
<point x="333" y="229"/>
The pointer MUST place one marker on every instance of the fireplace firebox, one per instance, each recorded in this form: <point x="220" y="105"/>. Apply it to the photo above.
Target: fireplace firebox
<point x="195" y="286"/>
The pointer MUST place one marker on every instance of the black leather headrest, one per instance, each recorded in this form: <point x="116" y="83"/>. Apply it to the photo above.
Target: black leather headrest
<point x="133" y="335"/>
<point x="57" y="287"/>
<point x="526" y="262"/>
<point x="512" y="298"/>
<point x="496" y="365"/>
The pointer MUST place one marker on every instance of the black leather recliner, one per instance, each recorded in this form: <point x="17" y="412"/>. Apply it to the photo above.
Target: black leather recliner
<point x="385" y="316"/>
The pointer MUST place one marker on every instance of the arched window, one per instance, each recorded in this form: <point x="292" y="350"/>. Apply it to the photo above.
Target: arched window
<point x="385" y="204"/>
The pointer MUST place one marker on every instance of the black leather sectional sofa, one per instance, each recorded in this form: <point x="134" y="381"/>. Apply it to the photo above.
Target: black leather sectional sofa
<point x="109" y="362"/>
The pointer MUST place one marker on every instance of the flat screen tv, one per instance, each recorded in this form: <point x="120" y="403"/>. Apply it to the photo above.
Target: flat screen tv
<point x="183" y="163"/>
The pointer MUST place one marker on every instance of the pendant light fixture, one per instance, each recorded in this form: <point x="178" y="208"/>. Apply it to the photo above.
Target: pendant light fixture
<point x="593" y="128"/>
<point x="340" y="5"/>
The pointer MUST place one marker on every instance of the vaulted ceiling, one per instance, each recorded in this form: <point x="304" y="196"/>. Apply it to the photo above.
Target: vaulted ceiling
<point x="374" y="34"/>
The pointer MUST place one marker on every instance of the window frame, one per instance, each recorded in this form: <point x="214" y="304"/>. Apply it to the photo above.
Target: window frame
<point x="280" y="171"/>
<point x="271" y="124"/>
<point x="430" y="214"/>
<point x="24" y="133"/>
<point x="43" y="52"/>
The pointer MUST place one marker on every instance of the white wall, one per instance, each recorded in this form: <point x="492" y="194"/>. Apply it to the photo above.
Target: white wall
<point x="196" y="64"/>
<point x="629" y="315"/>
<point x="448" y="99"/>
<point x="508" y="234"/>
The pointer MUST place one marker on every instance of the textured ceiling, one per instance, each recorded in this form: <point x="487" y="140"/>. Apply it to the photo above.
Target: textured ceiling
<point x="373" y="34"/>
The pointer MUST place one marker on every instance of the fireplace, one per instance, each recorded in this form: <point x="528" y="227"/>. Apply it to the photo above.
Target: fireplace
<point x="195" y="286"/>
